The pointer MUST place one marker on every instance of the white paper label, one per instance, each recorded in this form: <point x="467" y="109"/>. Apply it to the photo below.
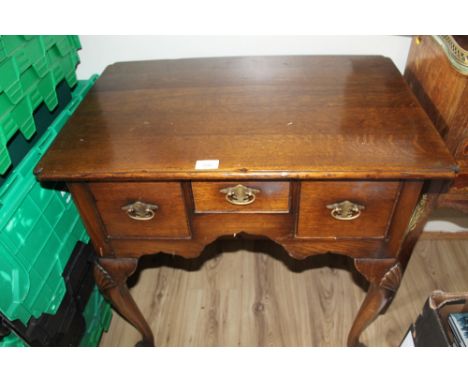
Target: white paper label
<point x="209" y="164"/>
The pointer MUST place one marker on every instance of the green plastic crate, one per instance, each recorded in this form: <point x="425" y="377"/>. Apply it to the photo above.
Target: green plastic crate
<point x="12" y="341"/>
<point x="29" y="51"/>
<point x="98" y="316"/>
<point x="38" y="230"/>
<point x="19" y="117"/>
<point x="10" y="80"/>
<point x="3" y="54"/>
<point x="31" y="69"/>
<point x="65" y="43"/>
<point x="49" y="41"/>
<point x="75" y="41"/>
<point x="39" y="89"/>
<point x="15" y="117"/>
<point x="10" y="43"/>
<point x="19" y="146"/>
<point x="63" y="67"/>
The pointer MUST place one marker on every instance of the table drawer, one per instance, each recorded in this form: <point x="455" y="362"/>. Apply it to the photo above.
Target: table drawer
<point x="369" y="212"/>
<point x="241" y="197"/>
<point x="163" y="213"/>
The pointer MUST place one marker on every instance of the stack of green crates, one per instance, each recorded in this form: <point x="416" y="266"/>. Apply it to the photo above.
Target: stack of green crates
<point x="39" y="226"/>
<point x="31" y="67"/>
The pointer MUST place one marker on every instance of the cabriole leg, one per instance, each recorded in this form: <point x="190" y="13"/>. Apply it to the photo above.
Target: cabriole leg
<point x="111" y="276"/>
<point x="384" y="276"/>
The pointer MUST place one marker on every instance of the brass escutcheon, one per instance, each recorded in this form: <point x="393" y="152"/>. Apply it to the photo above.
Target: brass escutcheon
<point x="240" y="195"/>
<point x="140" y="210"/>
<point x="345" y="210"/>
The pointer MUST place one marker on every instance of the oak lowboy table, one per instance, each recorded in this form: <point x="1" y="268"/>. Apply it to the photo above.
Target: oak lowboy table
<point x="319" y="154"/>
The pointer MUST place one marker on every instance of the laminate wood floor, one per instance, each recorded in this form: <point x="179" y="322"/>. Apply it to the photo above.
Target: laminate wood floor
<point x="254" y="294"/>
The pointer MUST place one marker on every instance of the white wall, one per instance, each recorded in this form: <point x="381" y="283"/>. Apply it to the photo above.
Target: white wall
<point x="100" y="51"/>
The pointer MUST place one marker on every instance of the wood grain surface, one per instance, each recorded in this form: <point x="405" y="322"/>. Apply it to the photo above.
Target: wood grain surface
<point x="245" y="297"/>
<point x="261" y="117"/>
<point x="272" y="197"/>
<point x="377" y="198"/>
<point x="170" y="219"/>
<point x="443" y="93"/>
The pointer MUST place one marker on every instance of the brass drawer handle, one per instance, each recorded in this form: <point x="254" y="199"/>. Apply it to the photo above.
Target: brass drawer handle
<point x="240" y="195"/>
<point x="345" y="210"/>
<point x="140" y="211"/>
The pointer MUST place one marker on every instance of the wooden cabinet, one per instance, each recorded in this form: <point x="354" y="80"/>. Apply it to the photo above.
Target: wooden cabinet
<point x="437" y="72"/>
<point x="318" y="154"/>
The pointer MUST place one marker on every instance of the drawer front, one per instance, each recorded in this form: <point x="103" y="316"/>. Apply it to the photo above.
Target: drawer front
<point x="368" y="216"/>
<point x="169" y="219"/>
<point x="241" y="197"/>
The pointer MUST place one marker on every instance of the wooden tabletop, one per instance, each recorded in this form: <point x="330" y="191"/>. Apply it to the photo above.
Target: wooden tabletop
<point x="265" y="117"/>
